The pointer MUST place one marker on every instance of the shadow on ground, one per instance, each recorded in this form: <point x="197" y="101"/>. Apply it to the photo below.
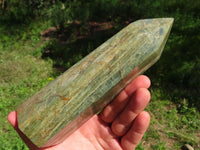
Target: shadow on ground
<point x="68" y="46"/>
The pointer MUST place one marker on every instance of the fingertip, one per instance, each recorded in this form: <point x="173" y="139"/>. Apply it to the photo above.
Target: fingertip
<point x="136" y="132"/>
<point x="107" y="114"/>
<point x="140" y="100"/>
<point x="143" y="120"/>
<point x="143" y="93"/>
<point x="12" y="118"/>
<point x="141" y="81"/>
<point x="145" y="81"/>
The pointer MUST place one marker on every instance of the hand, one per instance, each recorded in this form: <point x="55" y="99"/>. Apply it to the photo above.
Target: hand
<point x="120" y="126"/>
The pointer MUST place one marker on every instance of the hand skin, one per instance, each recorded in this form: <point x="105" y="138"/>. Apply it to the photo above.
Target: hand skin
<point x="120" y="126"/>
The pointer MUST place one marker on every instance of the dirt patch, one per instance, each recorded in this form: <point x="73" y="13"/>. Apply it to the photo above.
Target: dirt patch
<point x="78" y="29"/>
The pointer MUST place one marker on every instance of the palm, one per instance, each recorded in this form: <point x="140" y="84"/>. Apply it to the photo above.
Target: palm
<point x="93" y="135"/>
<point x="120" y="125"/>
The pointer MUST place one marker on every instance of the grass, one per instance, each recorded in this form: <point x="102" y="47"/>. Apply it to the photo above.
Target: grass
<point x="172" y="125"/>
<point x="22" y="74"/>
<point x="25" y="69"/>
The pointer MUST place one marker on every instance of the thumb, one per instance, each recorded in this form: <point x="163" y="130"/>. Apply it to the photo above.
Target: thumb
<point x="12" y="118"/>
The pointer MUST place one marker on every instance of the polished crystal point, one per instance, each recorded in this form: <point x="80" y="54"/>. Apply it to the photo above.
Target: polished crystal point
<point x="61" y="107"/>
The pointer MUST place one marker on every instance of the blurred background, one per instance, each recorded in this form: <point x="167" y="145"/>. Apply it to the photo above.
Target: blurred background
<point x="40" y="39"/>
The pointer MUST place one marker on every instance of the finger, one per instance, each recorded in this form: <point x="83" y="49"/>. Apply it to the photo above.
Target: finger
<point x="12" y="118"/>
<point x="114" y="108"/>
<point x="136" y="105"/>
<point x="131" y="139"/>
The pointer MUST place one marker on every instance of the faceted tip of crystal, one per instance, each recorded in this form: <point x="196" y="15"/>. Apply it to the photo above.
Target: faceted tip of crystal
<point x="158" y="22"/>
<point x="169" y="20"/>
<point x="169" y="23"/>
<point x="164" y="23"/>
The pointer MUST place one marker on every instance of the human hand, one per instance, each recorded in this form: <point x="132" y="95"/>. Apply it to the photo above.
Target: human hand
<point x="120" y="126"/>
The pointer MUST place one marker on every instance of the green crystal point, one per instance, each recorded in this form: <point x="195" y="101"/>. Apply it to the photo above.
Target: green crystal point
<point x="61" y="107"/>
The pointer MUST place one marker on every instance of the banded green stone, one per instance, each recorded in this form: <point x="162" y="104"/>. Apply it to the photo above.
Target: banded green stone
<point x="61" y="107"/>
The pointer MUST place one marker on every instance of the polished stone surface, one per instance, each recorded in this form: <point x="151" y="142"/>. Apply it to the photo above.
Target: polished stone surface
<point x="67" y="102"/>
